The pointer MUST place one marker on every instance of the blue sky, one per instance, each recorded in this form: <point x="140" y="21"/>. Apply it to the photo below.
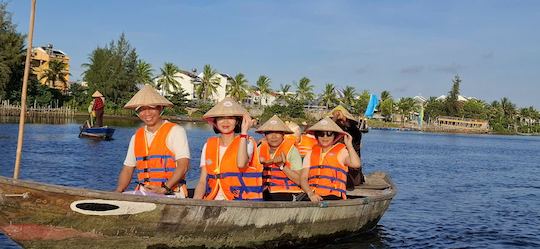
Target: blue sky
<point x="406" y="47"/>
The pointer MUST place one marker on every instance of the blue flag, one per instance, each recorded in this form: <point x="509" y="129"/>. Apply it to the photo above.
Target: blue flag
<point x="372" y="104"/>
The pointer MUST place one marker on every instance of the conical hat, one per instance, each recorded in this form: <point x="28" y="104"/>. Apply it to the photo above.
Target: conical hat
<point x="343" y="110"/>
<point x="225" y="108"/>
<point x="97" y="94"/>
<point x="274" y="124"/>
<point x="295" y="128"/>
<point x="147" y="96"/>
<point x="325" y="124"/>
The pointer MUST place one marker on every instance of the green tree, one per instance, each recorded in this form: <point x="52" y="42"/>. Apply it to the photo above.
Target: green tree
<point x="208" y="85"/>
<point x="328" y="97"/>
<point x="405" y="107"/>
<point x="304" y="90"/>
<point x="180" y="101"/>
<point x="361" y="104"/>
<point x="113" y="71"/>
<point x="145" y="73"/>
<point x="452" y="104"/>
<point x="12" y="54"/>
<point x="385" y="95"/>
<point x="55" y="72"/>
<point x="283" y="90"/>
<point x="387" y="108"/>
<point x="434" y="108"/>
<point x="476" y="109"/>
<point x="263" y="86"/>
<point x="348" y="98"/>
<point x="167" y="79"/>
<point x="237" y="87"/>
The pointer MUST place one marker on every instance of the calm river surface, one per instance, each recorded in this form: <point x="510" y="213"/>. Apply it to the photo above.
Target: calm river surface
<point x="454" y="191"/>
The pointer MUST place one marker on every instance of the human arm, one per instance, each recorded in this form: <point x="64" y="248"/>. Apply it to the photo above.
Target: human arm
<point x="353" y="160"/>
<point x="313" y="197"/>
<point x="182" y="166"/>
<point x="242" y="156"/>
<point x="201" y="186"/>
<point x="295" y="166"/>
<point x="124" y="178"/>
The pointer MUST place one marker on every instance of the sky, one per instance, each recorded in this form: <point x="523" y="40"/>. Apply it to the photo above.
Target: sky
<point x="406" y="47"/>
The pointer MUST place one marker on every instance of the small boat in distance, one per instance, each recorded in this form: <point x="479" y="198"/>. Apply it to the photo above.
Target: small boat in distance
<point x="104" y="133"/>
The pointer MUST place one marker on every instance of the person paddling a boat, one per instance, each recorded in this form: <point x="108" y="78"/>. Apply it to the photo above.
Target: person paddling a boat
<point x="281" y="160"/>
<point x="346" y="121"/>
<point x="228" y="168"/>
<point x="158" y="151"/>
<point x="98" y="107"/>
<point x="324" y="172"/>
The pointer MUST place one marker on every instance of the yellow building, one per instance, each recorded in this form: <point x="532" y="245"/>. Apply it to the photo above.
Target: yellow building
<point x="463" y="123"/>
<point x="41" y="56"/>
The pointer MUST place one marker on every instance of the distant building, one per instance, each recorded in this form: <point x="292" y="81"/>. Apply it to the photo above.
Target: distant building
<point x="187" y="81"/>
<point x="463" y="123"/>
<point x="460" y="98"/>
<point x="41" y="56"/>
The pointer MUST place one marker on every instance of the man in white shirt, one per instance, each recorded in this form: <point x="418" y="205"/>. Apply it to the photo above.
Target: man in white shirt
<point x="159" y="151"/>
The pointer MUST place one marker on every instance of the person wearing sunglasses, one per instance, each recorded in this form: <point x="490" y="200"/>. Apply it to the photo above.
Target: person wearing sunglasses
<point x="158" y="151"/>
<point x="325" y="168"/>
<point x="228" y="168"/>
<point x="281" y="160"/>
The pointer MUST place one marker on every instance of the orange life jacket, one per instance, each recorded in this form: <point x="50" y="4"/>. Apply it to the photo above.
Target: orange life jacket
<point x="236" y="183"/>
<point x="155" y="162"/>
<point x="305" y="144"/>
<point x="275" y="179"/>
<point x="327" y="176"/>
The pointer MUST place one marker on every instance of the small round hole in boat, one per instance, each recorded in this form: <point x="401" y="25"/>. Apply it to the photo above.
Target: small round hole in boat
<point x="96" y="206"/>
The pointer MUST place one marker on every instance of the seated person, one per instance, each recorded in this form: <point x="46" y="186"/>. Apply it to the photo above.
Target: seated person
<point x="281" y="160"/>
<point x="324" y="172"/>
<point x="228" y="171"/>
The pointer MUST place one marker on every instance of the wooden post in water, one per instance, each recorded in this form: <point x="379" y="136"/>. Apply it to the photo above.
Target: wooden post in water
<point x="24" y="87"/>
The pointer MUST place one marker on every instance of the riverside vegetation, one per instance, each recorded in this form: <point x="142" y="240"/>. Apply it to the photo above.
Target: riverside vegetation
<point x="116" y="70"/>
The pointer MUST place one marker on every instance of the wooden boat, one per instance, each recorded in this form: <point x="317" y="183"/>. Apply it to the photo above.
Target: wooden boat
<point x="37" y="215"/>
<point x="104" y="133"/>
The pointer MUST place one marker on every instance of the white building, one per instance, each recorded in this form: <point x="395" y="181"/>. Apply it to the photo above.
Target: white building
<point x="187" y="82"/>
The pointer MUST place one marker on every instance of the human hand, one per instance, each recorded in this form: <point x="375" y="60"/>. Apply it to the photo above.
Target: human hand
<point x="315" y="197"/>
<point x="247" y="122"/>
<point x="279" y="159"/>
<point x="348" y="140"/>
<point x="155" y="189"/>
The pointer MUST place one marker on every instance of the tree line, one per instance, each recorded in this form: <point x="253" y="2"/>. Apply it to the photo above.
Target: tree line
<point x="116" y="70"/>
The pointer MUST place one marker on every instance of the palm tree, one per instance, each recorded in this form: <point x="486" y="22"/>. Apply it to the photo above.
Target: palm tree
<point x="328" y="97"/>
<point x="208" y="85"/>
<point x="55" y="72"/>
<point x="284" y="89"/>
<point x="405" y="107"/>
<point x="385" y="95"/>
<point x="167" y="79"/>
<point x="238" y="87"/>
<point x="263" y="85"/>
<point x="348" y="98"/>
<point x="304" y="91"/>
<point x="144" y="72"/>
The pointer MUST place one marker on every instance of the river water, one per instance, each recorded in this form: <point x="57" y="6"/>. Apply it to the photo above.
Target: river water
<point x="454" y="191"/>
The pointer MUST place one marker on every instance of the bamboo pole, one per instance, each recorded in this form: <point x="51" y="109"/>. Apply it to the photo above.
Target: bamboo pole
<point x="24" y="87"/>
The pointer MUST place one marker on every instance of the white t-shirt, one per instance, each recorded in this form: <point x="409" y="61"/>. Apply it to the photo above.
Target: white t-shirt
<point x="220" y="195"/>
<point x="176" y="142"/>
<point x="342" y="158"/>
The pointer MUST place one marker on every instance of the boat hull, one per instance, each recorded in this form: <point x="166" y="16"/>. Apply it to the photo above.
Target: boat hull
<point x="140" y="221"/>
<point x="104" y="133"/>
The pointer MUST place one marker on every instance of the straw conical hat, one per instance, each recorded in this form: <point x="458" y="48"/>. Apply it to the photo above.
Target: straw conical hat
<point x="274" y="124"/>
<point x="326" y="124"/>
<point x="225" y="108"/>
<point x="147" y="96"/>
<point x="343" y="110"/>
<point x="295" y="128"/>
<point x="97" y="94"/>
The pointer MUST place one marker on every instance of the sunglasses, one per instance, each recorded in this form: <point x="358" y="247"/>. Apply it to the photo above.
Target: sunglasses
<point x="325" y="133"/>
